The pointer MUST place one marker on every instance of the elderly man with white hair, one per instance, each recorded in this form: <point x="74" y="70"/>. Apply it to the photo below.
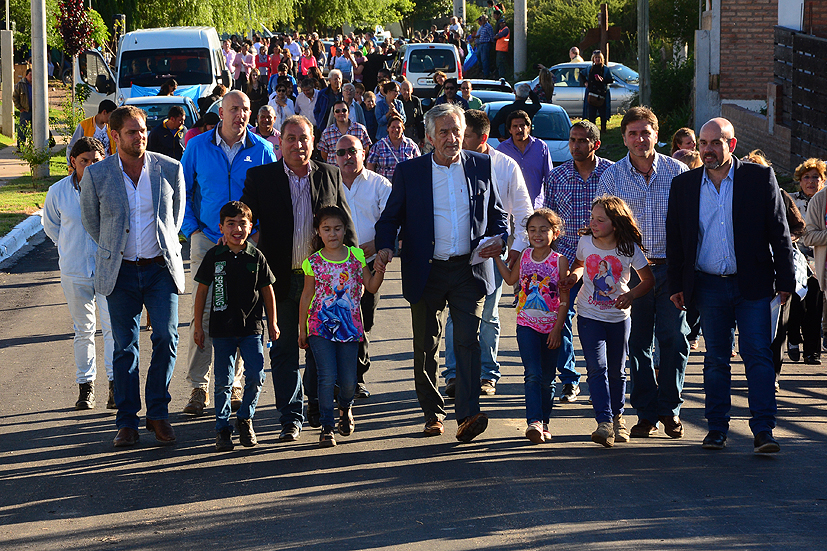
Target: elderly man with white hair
<point x="354" y="110"/>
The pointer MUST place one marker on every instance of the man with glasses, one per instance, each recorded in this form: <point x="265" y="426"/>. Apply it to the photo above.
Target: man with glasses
<point x="450" y="96"/>
<point x="283" y="106"/>
<point x="341" y="127"/>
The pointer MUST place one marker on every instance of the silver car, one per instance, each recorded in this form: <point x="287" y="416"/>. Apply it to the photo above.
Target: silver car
<point x="569" y="91"/>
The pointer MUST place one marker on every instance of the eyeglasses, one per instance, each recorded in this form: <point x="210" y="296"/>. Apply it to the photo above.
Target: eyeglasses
<point x="450" y="87"/>
<point x="340" y="110"/>
<point x="343" y="152"/>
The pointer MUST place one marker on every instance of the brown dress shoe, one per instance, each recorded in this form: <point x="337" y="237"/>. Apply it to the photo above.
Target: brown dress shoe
<point x="472" y="427"/>
<point x="163" y="431"/>
<point x="643" y="429"/>
<point x="672" y="425"/>
<point x="126" y="437"/>
<point x="434" y="427"/>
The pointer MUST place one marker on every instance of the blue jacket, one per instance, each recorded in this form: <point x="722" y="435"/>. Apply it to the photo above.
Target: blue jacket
<point x="382" y="109"/>
<point x="212" y="182"/>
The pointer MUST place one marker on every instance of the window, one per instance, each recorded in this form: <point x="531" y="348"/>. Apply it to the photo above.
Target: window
<point x="567" y="76"/>
<point x="154" y="67"/>
<point x="429" y="61"/>
<point x="91" y="65"/>
<point x="550" y="126"/>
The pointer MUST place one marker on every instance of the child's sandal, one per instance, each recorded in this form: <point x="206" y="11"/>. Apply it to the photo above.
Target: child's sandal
<point x="346" y="424"/>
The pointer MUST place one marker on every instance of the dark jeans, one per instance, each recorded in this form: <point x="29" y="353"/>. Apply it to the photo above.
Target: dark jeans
<point x="566" y="364"/>
<point x="605" y="347"/>
<point x="483" y="55"/>
<point x="805" y="318"/>
<point x="368" y="304"/>
<point x="336" y="362"/>
<point x="539" y="366"/>
<point x="502" y="65"/>
<point x="450" y="283"/>
<point x="25" y="122"/>
<point x="225" y="349"/>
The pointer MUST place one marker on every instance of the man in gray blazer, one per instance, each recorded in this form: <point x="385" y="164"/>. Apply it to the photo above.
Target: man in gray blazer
<point x="132" y="204"/>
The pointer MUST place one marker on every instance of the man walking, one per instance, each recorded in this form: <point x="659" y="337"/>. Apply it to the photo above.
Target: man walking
<point x="132" y="205"/>
<point x="729" y="251"/>
<point x="530" y="153"/>
<point x="22" y="99"/>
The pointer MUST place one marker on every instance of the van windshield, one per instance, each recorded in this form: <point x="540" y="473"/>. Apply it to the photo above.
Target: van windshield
<point x="429" y="61"/>
<point x="154" y="67"/>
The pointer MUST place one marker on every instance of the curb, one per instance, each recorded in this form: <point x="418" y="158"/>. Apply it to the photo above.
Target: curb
<point x="20" y="235"/>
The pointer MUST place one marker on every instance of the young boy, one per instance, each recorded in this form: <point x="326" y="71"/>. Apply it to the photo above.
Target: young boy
<point x="242" y="289"/>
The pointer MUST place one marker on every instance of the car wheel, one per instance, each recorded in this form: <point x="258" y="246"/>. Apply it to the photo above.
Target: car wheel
<point x="66" y="77"/>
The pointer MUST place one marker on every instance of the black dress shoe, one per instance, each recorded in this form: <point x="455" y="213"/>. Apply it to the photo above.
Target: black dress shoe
<point x="794" y="353"/>
<point x="450" y="387"/>
<point x="672" y="425"/>
<point x="314" y="416"/>
<point x="126" y="437"/>
<point x="290" y="433"/>
<point x="715" y="440"/>
<point x="765" y="443"/>
<point x="643" y="429"/>
<point x="812" y="359"/>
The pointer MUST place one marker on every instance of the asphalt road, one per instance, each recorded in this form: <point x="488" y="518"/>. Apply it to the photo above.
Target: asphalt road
<point x="63" y="486"/>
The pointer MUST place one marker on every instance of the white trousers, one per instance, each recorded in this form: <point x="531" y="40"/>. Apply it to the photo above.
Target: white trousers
<point x="81" y="298"/>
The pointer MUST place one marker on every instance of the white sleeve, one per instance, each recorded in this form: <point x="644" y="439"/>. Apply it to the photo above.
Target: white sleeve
<point x="51" y="216"/>
<point x="639" y="260"/>
<point x="519" y="206"/>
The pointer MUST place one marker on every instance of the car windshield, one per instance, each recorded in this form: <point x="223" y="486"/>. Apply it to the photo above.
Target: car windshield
<point x="154" y="67"/>
<point x="157" y="112"/>
<point x="625" y="74"/>
<point x="550" y="125"/>
<point x="429" y="61"/>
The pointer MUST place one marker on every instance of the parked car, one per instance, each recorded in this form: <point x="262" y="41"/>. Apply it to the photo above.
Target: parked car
<point x="569" y="91"/>
<point x="551" y="124"/>
<point x="419" y="61"/>
<point x="157" y="107"/>
<point x="490" y="90"/>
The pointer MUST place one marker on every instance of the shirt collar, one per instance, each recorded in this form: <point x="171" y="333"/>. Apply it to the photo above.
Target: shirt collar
<point x="291" y="174"/>
<point x="120" y="163"/>
<point x="220" y="140"/>
<point x="248" y="249"/>
<point x="458" y="162"/>
<point x="729" y="176"/>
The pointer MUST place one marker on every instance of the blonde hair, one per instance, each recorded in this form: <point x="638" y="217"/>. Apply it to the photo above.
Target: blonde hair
<point x="758" y="157"/>
<point x="808" y="165"/>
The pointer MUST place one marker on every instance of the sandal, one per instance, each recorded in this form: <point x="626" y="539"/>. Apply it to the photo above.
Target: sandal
<point x="346" y="424"/>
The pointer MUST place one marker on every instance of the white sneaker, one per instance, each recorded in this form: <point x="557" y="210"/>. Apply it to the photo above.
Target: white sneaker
<point x="534" y="432"/>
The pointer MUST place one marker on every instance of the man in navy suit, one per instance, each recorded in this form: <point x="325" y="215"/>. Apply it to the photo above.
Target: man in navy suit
<point x="446" y="204"/>
<point x="728" y="249"/>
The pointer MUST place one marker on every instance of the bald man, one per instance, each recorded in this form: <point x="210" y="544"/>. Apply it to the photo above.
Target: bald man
<point x="728" y="250"/>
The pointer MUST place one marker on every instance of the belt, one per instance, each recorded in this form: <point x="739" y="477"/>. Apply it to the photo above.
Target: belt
<point x="656" y="261"/>
<point x="146" y="261"/>
<point x="298" y="271"/>
<point x="716" y="275"/>
<point x="461" y="258"/>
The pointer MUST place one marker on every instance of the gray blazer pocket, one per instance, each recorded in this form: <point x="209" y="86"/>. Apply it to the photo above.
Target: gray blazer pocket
<point x="103" y="253"/>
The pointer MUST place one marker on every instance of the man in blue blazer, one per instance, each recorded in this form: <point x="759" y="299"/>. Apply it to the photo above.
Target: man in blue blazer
<point x="132" y="204"/>
<point x="728" y="249"/>
<point x="446" y="204"/>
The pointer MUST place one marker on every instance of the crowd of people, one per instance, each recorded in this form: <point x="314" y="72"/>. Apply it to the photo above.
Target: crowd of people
<point x="294" y="208"/>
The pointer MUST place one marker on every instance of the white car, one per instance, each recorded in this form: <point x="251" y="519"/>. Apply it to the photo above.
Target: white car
<point x="419" y="61"/>
<point x="157" y="108"/>
<point x="550" y="124"/>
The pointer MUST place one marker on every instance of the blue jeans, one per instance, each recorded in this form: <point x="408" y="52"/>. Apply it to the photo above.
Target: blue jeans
<point x="252" y="352"/>
<point x="483" y="54"/>
<point x="335" y="362"/>
<point x="605" y="346"/>
<point x="138" y="286"/>
<point x="284" y="357"/>
<point x="540" y="364"/>
<point x="721" y="306"/>
<point x="654" y="314"/>
<point x="489" y="337"/>
<point x="566" y="363"/>
<point x="25" y="122"/>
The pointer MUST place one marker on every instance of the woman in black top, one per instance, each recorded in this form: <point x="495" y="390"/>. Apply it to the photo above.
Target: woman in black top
<point x="598" y="99"/>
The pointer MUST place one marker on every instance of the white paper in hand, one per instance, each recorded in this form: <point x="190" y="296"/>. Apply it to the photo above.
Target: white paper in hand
<point x="476" y="258"/>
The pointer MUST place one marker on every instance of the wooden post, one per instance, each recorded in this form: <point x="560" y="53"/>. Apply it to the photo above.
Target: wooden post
<point x="645" y="86"/>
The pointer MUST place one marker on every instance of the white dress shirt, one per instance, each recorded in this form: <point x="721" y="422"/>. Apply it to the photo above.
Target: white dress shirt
<point x="513" y="193"/>
<point x="367" y="197"/>
<point x="142" y="234"/>
<point x="305" y="106"/>
<point x="281" y="112"/>
<point x="62" y="222"/>
<point x="452" y="211"/>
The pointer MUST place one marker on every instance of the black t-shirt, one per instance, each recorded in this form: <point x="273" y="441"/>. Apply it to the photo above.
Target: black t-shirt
<point x="237" y="309"/>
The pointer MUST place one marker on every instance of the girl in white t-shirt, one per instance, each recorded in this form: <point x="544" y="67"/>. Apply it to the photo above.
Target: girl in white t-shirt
<point x="606" y="252"/>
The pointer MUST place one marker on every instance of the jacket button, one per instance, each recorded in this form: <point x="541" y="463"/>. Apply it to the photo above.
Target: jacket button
<point x="430" y="261"/>
<point x="127" y="230"/>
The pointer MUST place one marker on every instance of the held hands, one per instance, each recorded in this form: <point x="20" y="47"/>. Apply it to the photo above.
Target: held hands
<point x="554" y="338"/>
<point x="677" y="300"/>
<point x="785" y="296"/>
<point x="513" y="258"/>
<point x="383" y="258"/>
<point x="566" y="283"/>
<point x="303" y="339"/>
<point x="624" y="301"/>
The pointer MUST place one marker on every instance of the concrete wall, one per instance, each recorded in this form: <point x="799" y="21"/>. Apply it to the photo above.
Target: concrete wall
<point x="753" y="132"/>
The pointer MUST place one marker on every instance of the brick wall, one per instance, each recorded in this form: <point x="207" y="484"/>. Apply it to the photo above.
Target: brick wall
<point x="747" y="43"/>
<point x="752" y="133"/>
<point x="815" y="17"/>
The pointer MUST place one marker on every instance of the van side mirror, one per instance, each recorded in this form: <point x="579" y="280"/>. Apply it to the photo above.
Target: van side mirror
<point x="104" y="85"/>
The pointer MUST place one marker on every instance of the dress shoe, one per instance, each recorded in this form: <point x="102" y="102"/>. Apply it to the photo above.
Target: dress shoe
<point x="451" y="387"/>
<point x="198" y="401"/>
<point x="471" y="427"/>
<point x="362" y="392"/>
<point x="110" y="403"/>
<point x="794" y="352"/>
<point x="812" y="359"/>
<point x="86" y="396"/>
<point x="765" y="443"/>
<point x="290" y="433"/>
<point x="314" y="416"/>
<point x="126" y="437"/>
<point x="434" y="427"/>
<point x="224" y="440"/>
<point x="246" y="434"/>
<point x="715" y="440"/>
<point x="163" y="431"/>
<point x="643" y="429"/>
<point x="672" y="425"/>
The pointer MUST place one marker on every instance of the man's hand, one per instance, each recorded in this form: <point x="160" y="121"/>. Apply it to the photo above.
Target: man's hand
<point x="566" y="283"/>
<point x="513" y="258"/>
<point x="677" y="300"/>
<point x="198" y="337"/>
<point x="369" y="247"/>
<point x="785" y="296"/>
<point x="492" y="250"/>
<point x="383" y="258"/>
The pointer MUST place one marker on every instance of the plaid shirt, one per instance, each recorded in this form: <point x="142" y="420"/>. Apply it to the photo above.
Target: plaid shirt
<point x="570" y="197"/>
<point x="331" y="135"/>
<point x="485" y="34"/>
<point x="386" y="157"/>
<point x="648" y="201"/>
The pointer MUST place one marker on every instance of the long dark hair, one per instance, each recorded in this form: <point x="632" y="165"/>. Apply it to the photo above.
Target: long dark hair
<point x="627" y="234"/>
<point x="329" y="211"/>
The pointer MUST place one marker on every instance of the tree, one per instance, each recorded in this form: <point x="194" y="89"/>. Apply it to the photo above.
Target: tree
<point x="75" y="28"/>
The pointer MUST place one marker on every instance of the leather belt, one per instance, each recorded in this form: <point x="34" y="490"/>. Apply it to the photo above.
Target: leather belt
<point x="146" y="261"/>
<point x="656" y="261"/>
<point x="461" y="258"/>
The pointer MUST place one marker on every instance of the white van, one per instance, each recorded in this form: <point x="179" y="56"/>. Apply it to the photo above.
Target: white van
<point x="149" y="57"/>
<point x="419" y="61"/>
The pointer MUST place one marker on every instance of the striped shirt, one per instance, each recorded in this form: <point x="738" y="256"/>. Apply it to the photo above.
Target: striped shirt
<point x="570" y="197"/>
<point x="648" y="200"/>
<point x="716" y="236"/>
<point x="331" y="135"/>
<point x="302" y="215"/>
<point x="386" y="157"/>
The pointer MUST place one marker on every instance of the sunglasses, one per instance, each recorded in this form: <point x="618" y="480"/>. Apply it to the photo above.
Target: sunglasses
<point x="343" y="152"/>
<point x="450" y="87"/>
<point x="340" y="110"/>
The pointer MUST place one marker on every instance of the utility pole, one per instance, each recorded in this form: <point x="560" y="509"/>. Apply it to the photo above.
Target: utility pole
<point x="520" y="34"/>
<point x="645" y="85"/>
<point x="40" y="95"/>
<point x="459" y="10"/>
<point x="7" y="55"/>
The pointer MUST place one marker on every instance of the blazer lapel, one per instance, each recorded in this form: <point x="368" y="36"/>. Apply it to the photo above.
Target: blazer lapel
<point x="153" y="169"/>
<point x="737" y="193"/>
<point x="116" y="178"/>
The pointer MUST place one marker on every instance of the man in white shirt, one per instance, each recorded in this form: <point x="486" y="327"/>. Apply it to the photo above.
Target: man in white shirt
<point x="62" y="222"/>
<point x="306" y="101"/>
<point x="517" y="204"/>
<point x="367" y="194"/>
<point x="132" y="204"/>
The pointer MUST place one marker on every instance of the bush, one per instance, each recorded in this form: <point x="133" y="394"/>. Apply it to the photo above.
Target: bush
<point x="33" y="156"/>
<point x="672" y="94"/>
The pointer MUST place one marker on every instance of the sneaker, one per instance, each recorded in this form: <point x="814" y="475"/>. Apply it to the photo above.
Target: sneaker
<point x="450" y="387"/>
<point x="235" y="398"/>
<point x="198" y="401"/>
<point x="777" y="386"/>
<point x="620" y="430"/>
<point x="224" y="440"/>
<point x="346" y="424"/>
<point x="327" y="439"/>
<point x="86" y="396"/>
<point x="546" y="432"/>
<point x="534" y="432"/>
<point x="362" y="392"/>
<point x="604" y="434"/>
<point x="488" y="387"/>
<point x="433" y="427"/>
<point x="793" y="352"/>
<point x="246" y="434"/>
<point x="314" y="415"/>
<point x="110" y="403"/>
<point x="570" y="393"/>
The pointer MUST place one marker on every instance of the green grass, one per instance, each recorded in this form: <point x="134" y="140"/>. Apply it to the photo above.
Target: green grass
<point x="22" y="196"/>
<point x="5" y="141"/>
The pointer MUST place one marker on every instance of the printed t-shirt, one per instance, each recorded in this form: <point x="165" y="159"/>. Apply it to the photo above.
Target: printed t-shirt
<point x="334" y="310"/>
<point x="539" y="297"/>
